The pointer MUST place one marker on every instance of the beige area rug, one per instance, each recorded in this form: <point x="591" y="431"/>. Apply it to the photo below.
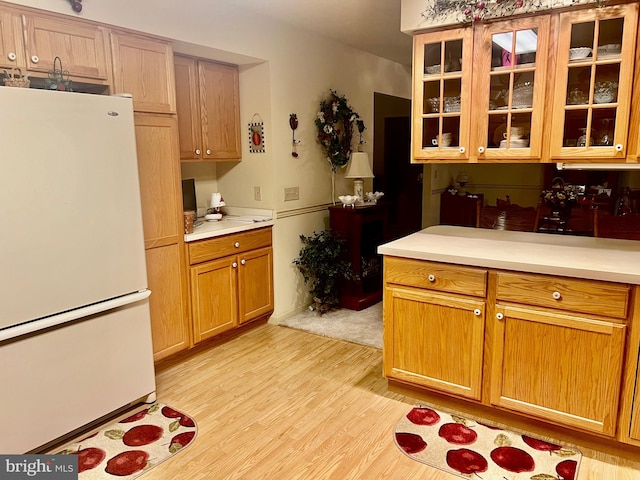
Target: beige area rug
<point x="363" y="327"/>
<point x="468" y="449"/>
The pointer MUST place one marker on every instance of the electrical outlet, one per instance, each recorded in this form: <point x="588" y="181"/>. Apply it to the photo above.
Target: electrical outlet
<point x="257" y="194"/>
<point x="291" y="193"/>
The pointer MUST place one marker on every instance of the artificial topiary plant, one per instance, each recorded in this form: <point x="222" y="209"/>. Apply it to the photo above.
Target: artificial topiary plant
<point x="322" y="264"/>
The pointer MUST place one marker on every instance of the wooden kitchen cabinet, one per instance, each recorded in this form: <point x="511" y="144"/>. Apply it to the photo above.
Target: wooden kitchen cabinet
<point x="592" y="94"/>
<point x="143" y="67"/>
<point x="434" y="316"/>
<point x="231" y="281"/>
<point x="12" y="52"/>
<point x="208" y="103"/>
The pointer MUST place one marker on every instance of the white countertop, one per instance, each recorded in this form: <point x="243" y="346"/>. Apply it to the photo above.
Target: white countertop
<point x="237" y="220"/>
<point x="565" y="255"/>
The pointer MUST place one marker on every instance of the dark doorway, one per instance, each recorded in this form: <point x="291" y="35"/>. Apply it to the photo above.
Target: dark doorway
<point x="400" y="180"/>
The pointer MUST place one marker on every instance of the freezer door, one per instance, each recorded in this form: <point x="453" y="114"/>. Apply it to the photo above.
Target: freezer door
<point x="69" y="203"/>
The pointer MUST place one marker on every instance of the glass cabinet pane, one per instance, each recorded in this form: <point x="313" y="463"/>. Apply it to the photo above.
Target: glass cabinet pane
<point x="453" y="56"/>
<point x="432" y="58"/>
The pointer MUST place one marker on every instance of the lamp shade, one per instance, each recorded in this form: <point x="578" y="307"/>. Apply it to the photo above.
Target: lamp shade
<point x="359" y="166"/>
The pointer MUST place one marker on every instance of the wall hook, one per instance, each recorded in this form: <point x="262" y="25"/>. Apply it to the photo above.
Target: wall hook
<point x="76" y="5"/>
<point x="293" y="123"/>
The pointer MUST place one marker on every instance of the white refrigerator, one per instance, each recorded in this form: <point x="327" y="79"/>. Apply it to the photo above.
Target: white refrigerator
<point x="75" y="336"/>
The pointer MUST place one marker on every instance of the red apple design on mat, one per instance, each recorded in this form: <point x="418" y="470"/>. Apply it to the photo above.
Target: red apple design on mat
<point x="170" y="412"/>
<point x="457" y="433"/>
<point x="540" y="444"/>
<point x="567" y="469"/>
<point x="180" y="441"/>
<point x="135" y="417"/>
<point x="142" y="435"/>
<point x="410" y="442"/>
<point x="89" y="458"/>
<point x="127" y="463"/>
<point x="423" y="416"/>
<point x="466" y="461"/>
<point x="186" y="421"/>
<point x="513" y="459"/>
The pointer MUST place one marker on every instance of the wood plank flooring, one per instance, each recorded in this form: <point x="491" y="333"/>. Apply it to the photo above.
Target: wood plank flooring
<point x="278" y="403"/>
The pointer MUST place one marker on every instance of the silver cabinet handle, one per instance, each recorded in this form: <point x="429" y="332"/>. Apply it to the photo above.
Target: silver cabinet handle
<point x="499" y="316"/>
<point x="243" y="261"/>
<point x="237" y="244"/>
<point x="35" y="59"/>
<point x="12" y="56"/>
<point x="618" y="147"/>
<point x="234" y="265"/>
<point x="432" y="278"/>
<point x="198" y="151"/>
<point x="477" y="312"/>
<point x="462" y="149"/>
<point x="208" y="152"/>
<point x="556" y="295"/>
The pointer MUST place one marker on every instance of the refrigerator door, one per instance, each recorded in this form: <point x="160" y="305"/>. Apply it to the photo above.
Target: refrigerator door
<point x="69" y="193"/>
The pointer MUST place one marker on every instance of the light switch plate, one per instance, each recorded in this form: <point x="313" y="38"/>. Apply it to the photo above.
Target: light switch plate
<point x="291" y="193"/>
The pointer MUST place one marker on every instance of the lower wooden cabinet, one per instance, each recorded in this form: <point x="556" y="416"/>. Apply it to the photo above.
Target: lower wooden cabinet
<point x="169" y="328"/>
<point x="228" y="288"/>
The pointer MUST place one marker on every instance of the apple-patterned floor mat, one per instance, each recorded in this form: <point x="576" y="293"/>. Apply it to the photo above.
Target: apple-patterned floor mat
<point x="469" y="449"/>
<point x="130" y="447"/>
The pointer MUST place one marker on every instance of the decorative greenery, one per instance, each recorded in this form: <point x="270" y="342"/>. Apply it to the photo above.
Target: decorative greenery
<point x="321" y="262"/>
<point x="475" y="10"/>
<point x="335" y="121"/>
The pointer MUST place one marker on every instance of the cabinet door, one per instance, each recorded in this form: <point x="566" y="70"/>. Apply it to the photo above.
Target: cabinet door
<point x="255" y="284"/>
<point x="220" y="111"/>
<point x="188" y="108"/>
<point x="562" y="368"/>
<point x="82" y="47"/>
<point x="11" y="41"/>
<point x="441" y="95"/>
<point x="214" y="297"/>
<point x="594" y="74"/>
<point x="509" y="86"/>
<point x="159" y="171"/>
<point x="434" y="340"/>
<point x="143" y="67"/>
<point x="168" y="320"/>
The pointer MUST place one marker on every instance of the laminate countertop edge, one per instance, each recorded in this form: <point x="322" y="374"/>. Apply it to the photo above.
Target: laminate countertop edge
<point x="564" y="255"/>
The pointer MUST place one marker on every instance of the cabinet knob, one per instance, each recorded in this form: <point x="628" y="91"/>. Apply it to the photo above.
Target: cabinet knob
<point x="480" y="149"/>
<point x="462" y="149"/>
<point x="208" y="152"/>
<point x="35" y="59"/>
<point x="12" y="56"/>
<point x="499" y="315"/>
<point x="198" y="151"/>
<point x="234" y="265"/>
<point x="556" y="295"/>
<point x="237" y="244"/>
<point x="243" y="261"/>
<point x="618" y="147"/>
<point x="477" y="312"/>
<point x="432" y="278"/>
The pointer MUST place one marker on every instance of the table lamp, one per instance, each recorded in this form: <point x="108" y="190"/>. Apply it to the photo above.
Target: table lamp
<point x="359" y="169"/>
<point x="462" y="179"/>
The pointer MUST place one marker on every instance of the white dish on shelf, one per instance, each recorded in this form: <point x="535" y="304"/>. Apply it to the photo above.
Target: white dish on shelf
<point x="373" y="196"/>
<point x="432" y="69"/>
<point x="348" y="200"/>
<point x="579" y="52"/>
<point x="213" y="217"/>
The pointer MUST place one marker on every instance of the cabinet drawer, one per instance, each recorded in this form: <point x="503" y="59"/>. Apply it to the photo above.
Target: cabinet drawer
<point x="222" y="246"/>
<point x="436" y="276"/>
<point x="584" y="296"/>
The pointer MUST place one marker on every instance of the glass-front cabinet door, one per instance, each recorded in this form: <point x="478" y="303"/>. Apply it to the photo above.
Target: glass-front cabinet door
<point x="441" y="95"/>
<point x="509" y="87"/>
<point x="593" y="84"/>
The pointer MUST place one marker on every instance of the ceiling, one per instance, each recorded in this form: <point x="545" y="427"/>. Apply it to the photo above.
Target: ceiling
<point x="369" y="25"/>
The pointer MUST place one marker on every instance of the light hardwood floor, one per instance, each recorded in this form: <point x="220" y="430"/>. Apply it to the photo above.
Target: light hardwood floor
<point x="278" y="403"/>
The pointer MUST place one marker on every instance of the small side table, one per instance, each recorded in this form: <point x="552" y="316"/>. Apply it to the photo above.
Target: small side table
<point x="363" y="228"/>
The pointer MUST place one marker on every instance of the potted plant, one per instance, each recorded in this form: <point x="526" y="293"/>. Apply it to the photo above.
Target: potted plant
<point x="322" y="264"/>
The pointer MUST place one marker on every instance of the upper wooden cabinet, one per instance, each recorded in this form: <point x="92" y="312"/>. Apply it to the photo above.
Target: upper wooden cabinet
<point x="208" y="105"/>
<point x="11" y="41"/>
<point x="83" y="48"/>
<point x="152" y="87"/>
<point x="593" y="83"/>
<point x="549" y="87"/>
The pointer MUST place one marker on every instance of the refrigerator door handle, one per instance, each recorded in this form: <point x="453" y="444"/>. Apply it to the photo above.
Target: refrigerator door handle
<point x="54" y="320"/>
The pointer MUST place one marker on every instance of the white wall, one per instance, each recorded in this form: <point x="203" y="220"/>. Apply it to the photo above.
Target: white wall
<point x="283" y="70"/>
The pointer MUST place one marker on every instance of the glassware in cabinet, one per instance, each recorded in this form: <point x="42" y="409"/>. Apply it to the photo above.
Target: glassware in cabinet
<point x="510" y="86"/>
<point x="442" y="95"/>
<point x="593" y="83"/>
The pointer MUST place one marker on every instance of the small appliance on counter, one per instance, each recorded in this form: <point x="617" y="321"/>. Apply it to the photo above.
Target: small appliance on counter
<point x="215" y="212"/>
